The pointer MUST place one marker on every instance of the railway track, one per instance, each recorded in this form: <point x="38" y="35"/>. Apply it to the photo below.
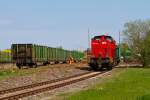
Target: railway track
<point x="24" y="91"/>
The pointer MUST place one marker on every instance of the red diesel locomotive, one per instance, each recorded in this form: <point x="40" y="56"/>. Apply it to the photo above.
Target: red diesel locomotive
<point x="104" y="53"/>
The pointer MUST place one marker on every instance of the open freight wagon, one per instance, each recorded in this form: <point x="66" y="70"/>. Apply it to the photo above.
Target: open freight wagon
<point x="31" y="55"/>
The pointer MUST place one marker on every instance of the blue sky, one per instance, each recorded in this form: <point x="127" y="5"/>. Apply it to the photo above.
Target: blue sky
<point x="65" y="22"/>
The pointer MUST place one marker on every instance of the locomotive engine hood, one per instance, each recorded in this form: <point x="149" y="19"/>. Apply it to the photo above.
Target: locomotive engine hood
<point x="102" y="46"/>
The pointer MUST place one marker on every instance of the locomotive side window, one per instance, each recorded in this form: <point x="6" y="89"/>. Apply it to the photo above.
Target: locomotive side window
<point x="97" y="38"/>
<point x="109" y="39"/>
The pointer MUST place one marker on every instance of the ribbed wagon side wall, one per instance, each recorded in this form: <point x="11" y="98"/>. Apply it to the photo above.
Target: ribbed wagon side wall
<point x="77" y="56"/>
<point x="28" y="54"/>
<point x="61" y="55"/>
<point x="31" y="54"/>
<point x="39" y="54"/>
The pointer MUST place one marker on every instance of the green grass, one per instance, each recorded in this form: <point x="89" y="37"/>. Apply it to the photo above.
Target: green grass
<point x="130" y="84"/>
<point x="13" y="73"/>
<point x="7" y="73"/>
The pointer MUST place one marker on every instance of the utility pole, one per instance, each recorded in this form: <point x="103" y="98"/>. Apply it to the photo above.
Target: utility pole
<point x="89" y="46"/>
<point x="89" y="38"/>
<point x="119" y="44"/>
<point x="119" y="37"/>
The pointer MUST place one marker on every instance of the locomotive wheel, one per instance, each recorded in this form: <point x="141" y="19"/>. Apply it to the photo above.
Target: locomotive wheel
<point x="109" y="67"/>
<point x="94" y="66"/>
<point x="35" y="66"/>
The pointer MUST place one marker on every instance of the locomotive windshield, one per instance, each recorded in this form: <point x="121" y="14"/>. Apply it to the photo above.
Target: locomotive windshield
<point x="97" y="38"/>
<point x="109" y="38"/>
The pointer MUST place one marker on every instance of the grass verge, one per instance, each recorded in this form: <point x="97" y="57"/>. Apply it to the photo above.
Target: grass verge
<point x="130" y="84"/>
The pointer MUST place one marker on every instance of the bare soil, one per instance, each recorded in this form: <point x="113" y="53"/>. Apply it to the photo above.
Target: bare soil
<point x="43" y="73"/>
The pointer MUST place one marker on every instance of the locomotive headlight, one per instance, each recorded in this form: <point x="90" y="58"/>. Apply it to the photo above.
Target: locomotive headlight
<point x="104" y="43"/>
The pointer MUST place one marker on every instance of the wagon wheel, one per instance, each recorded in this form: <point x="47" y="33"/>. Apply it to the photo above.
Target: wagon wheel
<point x="35" y="66"/>
<point x="19" y="66"/>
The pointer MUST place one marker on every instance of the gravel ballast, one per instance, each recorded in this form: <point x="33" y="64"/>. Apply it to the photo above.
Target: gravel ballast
<point x="44" y="73"/>
<point x="58" y="94"/>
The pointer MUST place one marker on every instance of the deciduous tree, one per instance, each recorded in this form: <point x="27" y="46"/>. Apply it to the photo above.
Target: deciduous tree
<point x="137" y="36"/>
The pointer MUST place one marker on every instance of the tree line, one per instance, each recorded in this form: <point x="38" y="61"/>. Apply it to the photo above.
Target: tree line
<point x="136" y="39"/>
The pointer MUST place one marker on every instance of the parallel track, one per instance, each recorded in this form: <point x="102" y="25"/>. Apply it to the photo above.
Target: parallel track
<point x="24" y="91"/>
<point x="38" y="84"/>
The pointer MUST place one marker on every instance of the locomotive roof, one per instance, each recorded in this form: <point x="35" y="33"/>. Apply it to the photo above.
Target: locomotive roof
<point x="98" y="37"/>
<point x="101" y="36"/>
